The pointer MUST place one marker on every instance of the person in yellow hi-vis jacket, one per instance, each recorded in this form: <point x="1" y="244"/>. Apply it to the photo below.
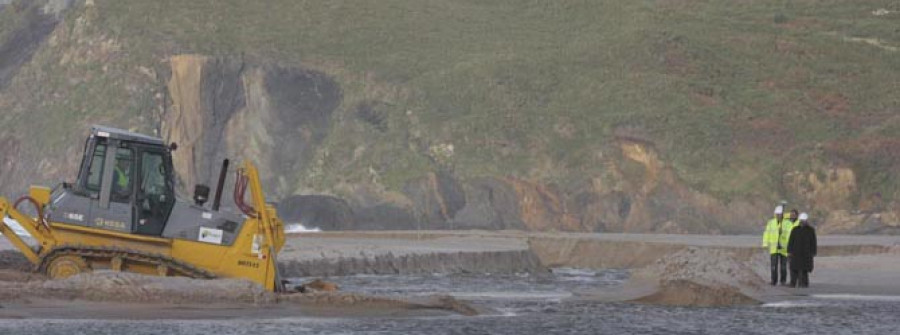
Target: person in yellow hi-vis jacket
<point x="772" y="241"/>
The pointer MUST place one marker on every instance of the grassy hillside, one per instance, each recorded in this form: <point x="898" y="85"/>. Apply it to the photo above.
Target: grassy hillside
<point x="728" y="91"/>
<point x="732" y="94"/>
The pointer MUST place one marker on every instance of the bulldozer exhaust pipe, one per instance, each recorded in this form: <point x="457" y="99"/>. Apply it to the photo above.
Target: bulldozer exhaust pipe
<point x="222" y="174"/>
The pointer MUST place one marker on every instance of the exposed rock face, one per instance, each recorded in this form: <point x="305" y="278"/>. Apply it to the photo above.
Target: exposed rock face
<point x="188" y="113"/>
<point x="830" y="188"/>
<point x="321" y="211"/>
<point x="491" y="204"/>
<point x="844" y="221"/>
<point x="384" y="216"/>
<point x="225" y="108"/>
<point x="279" y="117"/>
<point x="302" y="102"/>
<point x="541" y="208"/>
<point x="644" y="194"/>
<point x="437" y="198"/>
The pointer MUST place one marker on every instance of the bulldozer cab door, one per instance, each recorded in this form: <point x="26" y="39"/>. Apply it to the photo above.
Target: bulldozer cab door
<point x="110" y="186"/>
<point x="155" y="194"/>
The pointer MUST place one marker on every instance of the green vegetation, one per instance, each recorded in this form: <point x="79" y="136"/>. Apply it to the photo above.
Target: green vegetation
<point x="728" y="91"/>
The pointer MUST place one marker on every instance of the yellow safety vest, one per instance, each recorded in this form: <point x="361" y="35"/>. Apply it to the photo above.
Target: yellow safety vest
<point x="787" y="226"/>
<point x="770" y="236"/>
<point x="121" y="178"/>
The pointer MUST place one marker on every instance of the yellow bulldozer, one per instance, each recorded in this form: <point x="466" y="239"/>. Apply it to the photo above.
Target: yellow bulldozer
<point x="121" y="214"/>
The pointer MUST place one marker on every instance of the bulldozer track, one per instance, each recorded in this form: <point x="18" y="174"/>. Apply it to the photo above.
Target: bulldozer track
<point x="106" y="254"/>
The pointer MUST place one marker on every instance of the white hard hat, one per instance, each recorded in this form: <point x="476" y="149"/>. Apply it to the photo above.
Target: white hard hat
<point x="779" y="210"/>
<point x="803" y="216"/>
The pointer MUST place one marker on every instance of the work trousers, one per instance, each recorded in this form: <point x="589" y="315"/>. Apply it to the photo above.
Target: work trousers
<point x="776" y="260"/>
<point x="795" y="277"/>
<point x="799" y="278"/>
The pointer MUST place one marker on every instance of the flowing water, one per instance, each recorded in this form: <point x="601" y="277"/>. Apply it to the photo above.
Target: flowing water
<point x="526" y="304"/>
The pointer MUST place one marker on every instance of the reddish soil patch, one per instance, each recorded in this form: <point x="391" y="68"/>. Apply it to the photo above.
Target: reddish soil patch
<point x="836" y="105"/>
<point x="766" y="133"/>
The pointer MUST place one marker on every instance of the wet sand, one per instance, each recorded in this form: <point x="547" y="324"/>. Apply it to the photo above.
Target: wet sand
<point x="877" y="274"/>
<point x="83" y="309"/>
<point x="692" y="270"/>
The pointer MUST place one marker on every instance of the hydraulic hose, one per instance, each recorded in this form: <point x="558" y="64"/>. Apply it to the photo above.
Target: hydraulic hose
<point x="40" y="211"/>
<point x="240" y="189"/>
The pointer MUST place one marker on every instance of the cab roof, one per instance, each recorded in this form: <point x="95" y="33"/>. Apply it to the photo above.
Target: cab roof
<point x="124" y="135"/>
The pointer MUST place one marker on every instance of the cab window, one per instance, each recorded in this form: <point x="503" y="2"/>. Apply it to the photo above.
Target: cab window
<point x="121" y="181"/>
<point x="153" y="179"/>
<point x="95" y="172"/>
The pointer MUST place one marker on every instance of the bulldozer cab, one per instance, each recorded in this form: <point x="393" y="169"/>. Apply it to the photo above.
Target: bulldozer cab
<point x="126" y="183"/>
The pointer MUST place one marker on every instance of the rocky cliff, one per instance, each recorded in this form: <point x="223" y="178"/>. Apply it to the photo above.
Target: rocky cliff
<point x="659" y="116"/>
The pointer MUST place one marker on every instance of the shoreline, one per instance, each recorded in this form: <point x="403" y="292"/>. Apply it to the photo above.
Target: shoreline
<point x="682" y="270"/>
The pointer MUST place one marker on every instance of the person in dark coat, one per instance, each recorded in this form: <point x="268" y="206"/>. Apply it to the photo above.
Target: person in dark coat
<point x="801" y="250"/>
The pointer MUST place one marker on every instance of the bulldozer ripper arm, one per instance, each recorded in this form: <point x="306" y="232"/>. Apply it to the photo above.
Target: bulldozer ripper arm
<point x="43" y="236"/>
<point x="272" y="228"/>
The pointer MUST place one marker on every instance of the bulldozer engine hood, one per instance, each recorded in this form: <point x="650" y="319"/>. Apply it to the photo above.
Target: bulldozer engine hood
<point x="189" y="222"/>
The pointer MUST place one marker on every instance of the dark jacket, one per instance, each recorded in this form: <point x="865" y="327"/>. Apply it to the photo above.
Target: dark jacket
<point x="802" y="248"/>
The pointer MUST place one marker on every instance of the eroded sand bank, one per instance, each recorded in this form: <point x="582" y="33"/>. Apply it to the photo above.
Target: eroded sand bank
<point x="105" y="294"/>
